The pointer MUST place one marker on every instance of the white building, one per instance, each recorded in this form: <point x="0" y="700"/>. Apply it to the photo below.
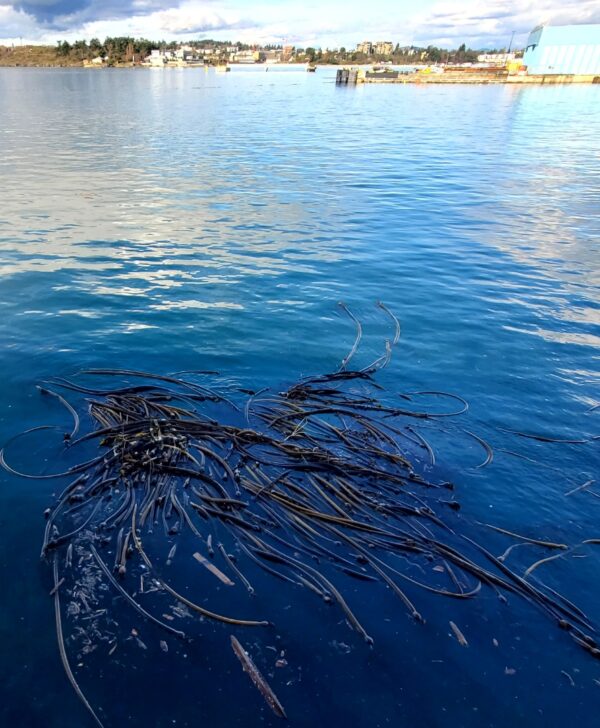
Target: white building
<point x="156" y="58"/>
<point x="563" y="49"/>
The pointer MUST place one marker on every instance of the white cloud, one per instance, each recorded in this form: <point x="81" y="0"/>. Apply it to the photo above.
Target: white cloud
<point x="192" y="19"/>
<point x="329" y="23"/>
<point x="15" y="24"/>
<point x="491" y="23"/>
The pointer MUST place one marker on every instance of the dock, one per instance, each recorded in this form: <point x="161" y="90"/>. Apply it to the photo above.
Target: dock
<point x="481" y="76"/>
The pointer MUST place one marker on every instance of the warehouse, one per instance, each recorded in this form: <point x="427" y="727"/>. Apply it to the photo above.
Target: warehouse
<point x="563" y="49"/>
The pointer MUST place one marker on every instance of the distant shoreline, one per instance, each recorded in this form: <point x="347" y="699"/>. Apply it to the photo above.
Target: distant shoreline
<point x="29" y="56"/>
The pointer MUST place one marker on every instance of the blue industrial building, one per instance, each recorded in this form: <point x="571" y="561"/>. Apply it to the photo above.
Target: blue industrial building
<point x="563" y="49"/>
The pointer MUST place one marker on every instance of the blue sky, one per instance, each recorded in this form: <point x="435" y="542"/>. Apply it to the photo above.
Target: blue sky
<point x="330" y="23"/>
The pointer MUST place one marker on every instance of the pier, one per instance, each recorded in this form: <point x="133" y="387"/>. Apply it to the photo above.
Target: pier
<point x="354" y="76"/>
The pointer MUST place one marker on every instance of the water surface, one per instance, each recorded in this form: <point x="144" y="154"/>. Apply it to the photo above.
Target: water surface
<point x="183" y="219"/>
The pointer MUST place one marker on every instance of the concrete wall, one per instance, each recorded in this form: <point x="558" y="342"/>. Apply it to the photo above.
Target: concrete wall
<point x="564" y="49"/>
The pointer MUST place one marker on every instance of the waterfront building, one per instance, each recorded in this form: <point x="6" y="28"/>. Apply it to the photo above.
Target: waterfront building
<point x="365" y="47"/>
<point x="246" y="57"/>
<point x="156" y="58"/>
<point x="563" y="49"/>
<point x="186" y="53"/>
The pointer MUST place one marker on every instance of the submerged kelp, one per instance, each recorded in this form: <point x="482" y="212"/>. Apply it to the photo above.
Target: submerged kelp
<point x="313" y="483"/>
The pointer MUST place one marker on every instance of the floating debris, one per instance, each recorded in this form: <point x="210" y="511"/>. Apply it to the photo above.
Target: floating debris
<point x="569" y="678"/>
<point x="253" y="672"/>
<point x="316" y="484"/>
<point x="459" y="635"/>
<point x="63" y="652"/>
<point x="581" y="487"/>
<point x="57" y="586"/>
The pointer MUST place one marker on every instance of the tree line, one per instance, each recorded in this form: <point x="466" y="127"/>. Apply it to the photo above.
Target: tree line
<point x="125" y="49"/>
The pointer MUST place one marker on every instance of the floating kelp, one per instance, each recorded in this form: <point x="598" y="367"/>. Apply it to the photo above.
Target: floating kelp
<point x="320" y="474"/>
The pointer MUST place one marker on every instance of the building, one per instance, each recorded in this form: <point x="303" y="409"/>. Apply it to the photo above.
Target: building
<point x="271" y="56"/>
<point x="563" y="49"/>
<point x="365" y="47"/>
<point x="498" y="59"/>
<point x="182" y="56"/>
<point x="384" y="48"/>
<point x="250" y="56"/>
<point x="157" y="59"/>
<point x="186" y="53"/>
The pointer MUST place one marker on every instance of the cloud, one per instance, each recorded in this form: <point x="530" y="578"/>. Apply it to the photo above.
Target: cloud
<point x="191" y="20"/>
<point x="47" y="10"/>
<point x="15" y="23"/>
<point x="491" y="23"/>
<point x="447" y="23"/>
<point x="43" y="20"/>
<point x="67" y="14"/>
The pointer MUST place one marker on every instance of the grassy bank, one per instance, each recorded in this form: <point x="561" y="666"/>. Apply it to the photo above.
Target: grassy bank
<point x="34" y="55"/>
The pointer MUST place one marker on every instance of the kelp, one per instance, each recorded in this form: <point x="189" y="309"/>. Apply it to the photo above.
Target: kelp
<point x="314" y="484"/>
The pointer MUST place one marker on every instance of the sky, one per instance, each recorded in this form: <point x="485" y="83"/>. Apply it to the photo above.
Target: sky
<point x="325" y="24"/>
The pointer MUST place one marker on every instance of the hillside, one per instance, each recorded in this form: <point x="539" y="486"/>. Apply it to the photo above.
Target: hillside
<point x="30" y="55"/>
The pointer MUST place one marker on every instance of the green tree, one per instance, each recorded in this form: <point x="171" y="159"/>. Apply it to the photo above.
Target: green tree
<point x="64" y="48"/>
<point x="96" y="48"/>
<point x="80" y="49"/>
<point x="433" y="54"/>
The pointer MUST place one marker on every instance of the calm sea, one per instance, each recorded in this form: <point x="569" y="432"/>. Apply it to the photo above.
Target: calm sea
<point x="188" y="219"/>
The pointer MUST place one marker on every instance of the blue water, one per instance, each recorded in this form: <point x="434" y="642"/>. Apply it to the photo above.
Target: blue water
<point x="181" y="220"/>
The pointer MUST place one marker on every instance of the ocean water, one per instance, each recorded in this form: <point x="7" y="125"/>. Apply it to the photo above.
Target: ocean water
<point x="173" y="220"/>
